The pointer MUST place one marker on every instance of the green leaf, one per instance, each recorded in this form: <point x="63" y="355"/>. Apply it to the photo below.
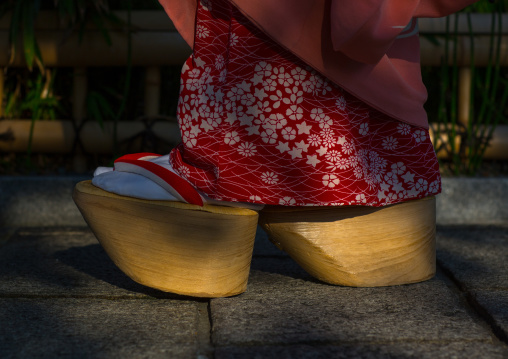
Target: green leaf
<point x="98" y="108"/>
<point x="98" y="21"/>
<point x="5" y="8"/>
<point x="432" y="39"/>
<point x="14" y="29"/>
<point x="31" y="49"/>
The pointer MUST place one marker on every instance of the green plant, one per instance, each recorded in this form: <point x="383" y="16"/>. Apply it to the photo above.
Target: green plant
<point x="75" y="13"/>
<point x="32" y="94"/>
<point x="488" y="97"/>
<point x="36" y="91"/>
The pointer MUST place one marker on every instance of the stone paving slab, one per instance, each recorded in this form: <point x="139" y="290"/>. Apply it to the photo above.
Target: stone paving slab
<point x="473" y="201"/>
<point x="63" y="262"/>
<point x="283" y="308"/>
<point x="46" y="201"/>
<point x="477" y="256"/>
<point x="39" y="201"/>
<point x="418" y="350"/>
<point x="495" y="306"/>
<point x="99" y="328"/>
<point x="56" y="284"/>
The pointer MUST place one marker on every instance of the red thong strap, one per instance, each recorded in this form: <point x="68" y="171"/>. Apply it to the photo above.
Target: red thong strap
<point x="137" y="156"/>
<point x="170" y="181"/>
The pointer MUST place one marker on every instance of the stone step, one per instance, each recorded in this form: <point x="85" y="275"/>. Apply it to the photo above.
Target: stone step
<point x="46" y="201"/>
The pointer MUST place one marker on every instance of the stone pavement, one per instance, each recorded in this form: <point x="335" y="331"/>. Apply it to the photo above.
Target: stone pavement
<point x="31" y="201"/>
<point x="61" y="297"/>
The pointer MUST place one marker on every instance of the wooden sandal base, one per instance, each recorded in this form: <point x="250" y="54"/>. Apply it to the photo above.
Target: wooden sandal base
<point x="358" y="246"/>
<point x="172" y="246"/>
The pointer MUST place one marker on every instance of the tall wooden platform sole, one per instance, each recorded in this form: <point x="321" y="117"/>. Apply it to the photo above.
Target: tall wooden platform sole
<point x="172" y="246"/>
<point x="358" y="246"/>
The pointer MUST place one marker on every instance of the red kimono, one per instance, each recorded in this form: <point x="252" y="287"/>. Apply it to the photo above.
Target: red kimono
<point x="260" y="125"/>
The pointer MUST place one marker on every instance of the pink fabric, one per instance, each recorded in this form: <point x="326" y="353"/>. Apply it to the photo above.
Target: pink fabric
<point x="361" y="45"/>
<point x="258" y="125"/>
<point x="183" y="15"/>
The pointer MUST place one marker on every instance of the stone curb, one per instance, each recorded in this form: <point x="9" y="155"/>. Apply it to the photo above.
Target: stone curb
<point x="473" y="201"/>
<point x="27" y="201"/>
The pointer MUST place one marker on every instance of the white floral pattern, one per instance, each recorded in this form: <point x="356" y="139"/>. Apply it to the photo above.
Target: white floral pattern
<point x="258" y="125"/>
<point x="269" y="178"/>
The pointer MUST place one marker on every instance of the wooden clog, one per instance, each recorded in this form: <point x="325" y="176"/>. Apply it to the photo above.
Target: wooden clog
<point x="358" y="246"/>
<point x="172" y="246"/>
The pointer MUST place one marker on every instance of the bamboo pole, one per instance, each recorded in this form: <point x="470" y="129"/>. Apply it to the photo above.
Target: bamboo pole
<point x="79" y="91"/>
<point x="150" y="20"/>
<point x="442" y="144"/>
<point x="2" y="79"/>
<point x="156" y="42"/>
<point x="464" y="95"/>
<point x="498" y="147"/>
<point x="166" y="47"/>
<point x="431" y="53"/>
<point x="58" y="136"/>
<point x="57" y="50"/>
<point x="482" y="24"/>
<point x="152" y="90"/>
